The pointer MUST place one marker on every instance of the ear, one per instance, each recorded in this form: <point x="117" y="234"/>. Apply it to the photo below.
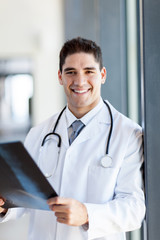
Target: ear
<point x="103" y="75"/>
<point x="60" y="77"/>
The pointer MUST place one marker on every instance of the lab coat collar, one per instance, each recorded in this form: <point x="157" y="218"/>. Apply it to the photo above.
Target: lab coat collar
<point x="94" y="127"/>
<point x="104" y="116"/>
<point x="87" y="117"/>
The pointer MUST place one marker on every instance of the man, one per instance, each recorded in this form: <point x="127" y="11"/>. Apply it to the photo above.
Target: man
<point x="96" y="199"/>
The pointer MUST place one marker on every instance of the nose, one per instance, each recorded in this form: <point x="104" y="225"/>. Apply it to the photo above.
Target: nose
<point x="80" y="79"/>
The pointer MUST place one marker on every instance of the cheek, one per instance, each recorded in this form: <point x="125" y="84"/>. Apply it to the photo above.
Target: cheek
<point x="66" y="86"/>
<point x="95" y="79"/>
<point x="96" y="83"/>
<point x="64" y="82"/>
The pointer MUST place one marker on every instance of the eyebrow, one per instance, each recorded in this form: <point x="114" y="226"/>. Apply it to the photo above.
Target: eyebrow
<point x="73" y="69"/>
<point x="90" y="68"/>
<point x="69" y="69"/>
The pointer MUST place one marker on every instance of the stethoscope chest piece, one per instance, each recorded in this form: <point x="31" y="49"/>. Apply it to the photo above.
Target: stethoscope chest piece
<point x="106" y="161"/>
<point x="47" y="175"/>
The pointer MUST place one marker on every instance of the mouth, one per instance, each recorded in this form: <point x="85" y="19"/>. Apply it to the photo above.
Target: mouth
<point x="80" y="91"/>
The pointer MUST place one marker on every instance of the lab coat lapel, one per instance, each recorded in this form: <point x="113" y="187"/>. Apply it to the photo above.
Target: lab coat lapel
<point x="88" y="132"/>
<point x="94" y="127"/>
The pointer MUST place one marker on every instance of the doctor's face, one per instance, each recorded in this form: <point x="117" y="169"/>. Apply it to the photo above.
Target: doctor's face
<point x="81" y="78"/>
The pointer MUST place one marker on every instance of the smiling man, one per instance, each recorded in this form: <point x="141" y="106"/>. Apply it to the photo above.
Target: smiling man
<point x="99" y="196"/>
<point x="81" y="78"/>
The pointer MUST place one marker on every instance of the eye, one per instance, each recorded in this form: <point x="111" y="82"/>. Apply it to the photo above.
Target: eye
<point x="89" y="72"/>
<point x="71" y="73"/>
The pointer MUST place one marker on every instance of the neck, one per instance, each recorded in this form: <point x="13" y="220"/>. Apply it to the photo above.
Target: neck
<point x="79" y="112"/>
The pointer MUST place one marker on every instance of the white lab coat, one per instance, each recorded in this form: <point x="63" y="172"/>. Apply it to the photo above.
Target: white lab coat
<point x="113" y="195"/>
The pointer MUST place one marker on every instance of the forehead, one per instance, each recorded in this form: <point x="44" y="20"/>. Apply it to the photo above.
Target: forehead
<point x="80" y="60"/>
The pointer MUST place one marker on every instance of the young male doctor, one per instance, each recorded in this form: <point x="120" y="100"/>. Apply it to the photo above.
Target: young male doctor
<point x="98" y="197"/>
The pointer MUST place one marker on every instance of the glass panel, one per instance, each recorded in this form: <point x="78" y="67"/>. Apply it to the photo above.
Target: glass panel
<point x="15" y="95"/>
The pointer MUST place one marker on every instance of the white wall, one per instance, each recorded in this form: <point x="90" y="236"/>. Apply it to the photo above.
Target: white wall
<point x="34" y="29"/>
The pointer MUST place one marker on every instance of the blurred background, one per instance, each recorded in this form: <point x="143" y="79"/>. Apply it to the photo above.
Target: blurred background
<point x="31" y="36"/>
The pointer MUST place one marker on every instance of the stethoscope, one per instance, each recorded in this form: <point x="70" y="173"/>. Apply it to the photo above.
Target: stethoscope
<point x="106" y="161"/>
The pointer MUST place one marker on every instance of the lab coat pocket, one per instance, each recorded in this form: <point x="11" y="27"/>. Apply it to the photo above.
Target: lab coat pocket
<point x="101" y="183"/>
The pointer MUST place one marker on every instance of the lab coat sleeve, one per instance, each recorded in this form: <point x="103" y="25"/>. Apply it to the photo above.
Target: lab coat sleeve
<point x="125" y="212"/>
<point x="13" y="214"/>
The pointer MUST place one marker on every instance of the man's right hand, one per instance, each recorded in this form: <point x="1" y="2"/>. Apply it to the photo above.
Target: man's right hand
<point x="2" y="210"/>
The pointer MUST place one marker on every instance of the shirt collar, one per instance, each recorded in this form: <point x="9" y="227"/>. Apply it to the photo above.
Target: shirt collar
<point x="70" y="118"/>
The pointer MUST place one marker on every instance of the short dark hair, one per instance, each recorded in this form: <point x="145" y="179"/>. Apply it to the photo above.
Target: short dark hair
<point x="77" y="45"/>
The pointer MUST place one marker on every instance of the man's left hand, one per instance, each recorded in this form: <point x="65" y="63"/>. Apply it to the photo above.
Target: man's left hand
<point x="69" y="211"/>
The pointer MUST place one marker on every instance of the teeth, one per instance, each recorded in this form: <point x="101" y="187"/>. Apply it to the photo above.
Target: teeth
<point x="80" y="91"/>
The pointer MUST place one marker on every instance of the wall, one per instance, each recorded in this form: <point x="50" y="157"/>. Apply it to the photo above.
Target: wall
<point x="104" y="22"/>
<point x="151" y="114"/>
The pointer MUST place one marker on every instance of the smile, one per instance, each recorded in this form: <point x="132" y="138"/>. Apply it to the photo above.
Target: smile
<point x="80" y="91"/>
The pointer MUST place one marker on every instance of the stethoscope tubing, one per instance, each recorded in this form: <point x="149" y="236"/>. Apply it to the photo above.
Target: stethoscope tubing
<point x="111" y="127"/>
<point x="53" y="132"/>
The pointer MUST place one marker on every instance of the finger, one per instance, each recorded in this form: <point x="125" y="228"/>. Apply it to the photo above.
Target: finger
<point x="65" y="220"/>
<point x="58" y="200"/>
<point x="52" y="201"/>
<point x="59" y="208"/>
<point x="61" y="215"/>
<point x="1" y="202"/>
<point x="61" y="220"/>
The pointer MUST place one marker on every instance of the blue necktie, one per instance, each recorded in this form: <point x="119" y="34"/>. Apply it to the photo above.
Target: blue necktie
<point x="77" y="126"/>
